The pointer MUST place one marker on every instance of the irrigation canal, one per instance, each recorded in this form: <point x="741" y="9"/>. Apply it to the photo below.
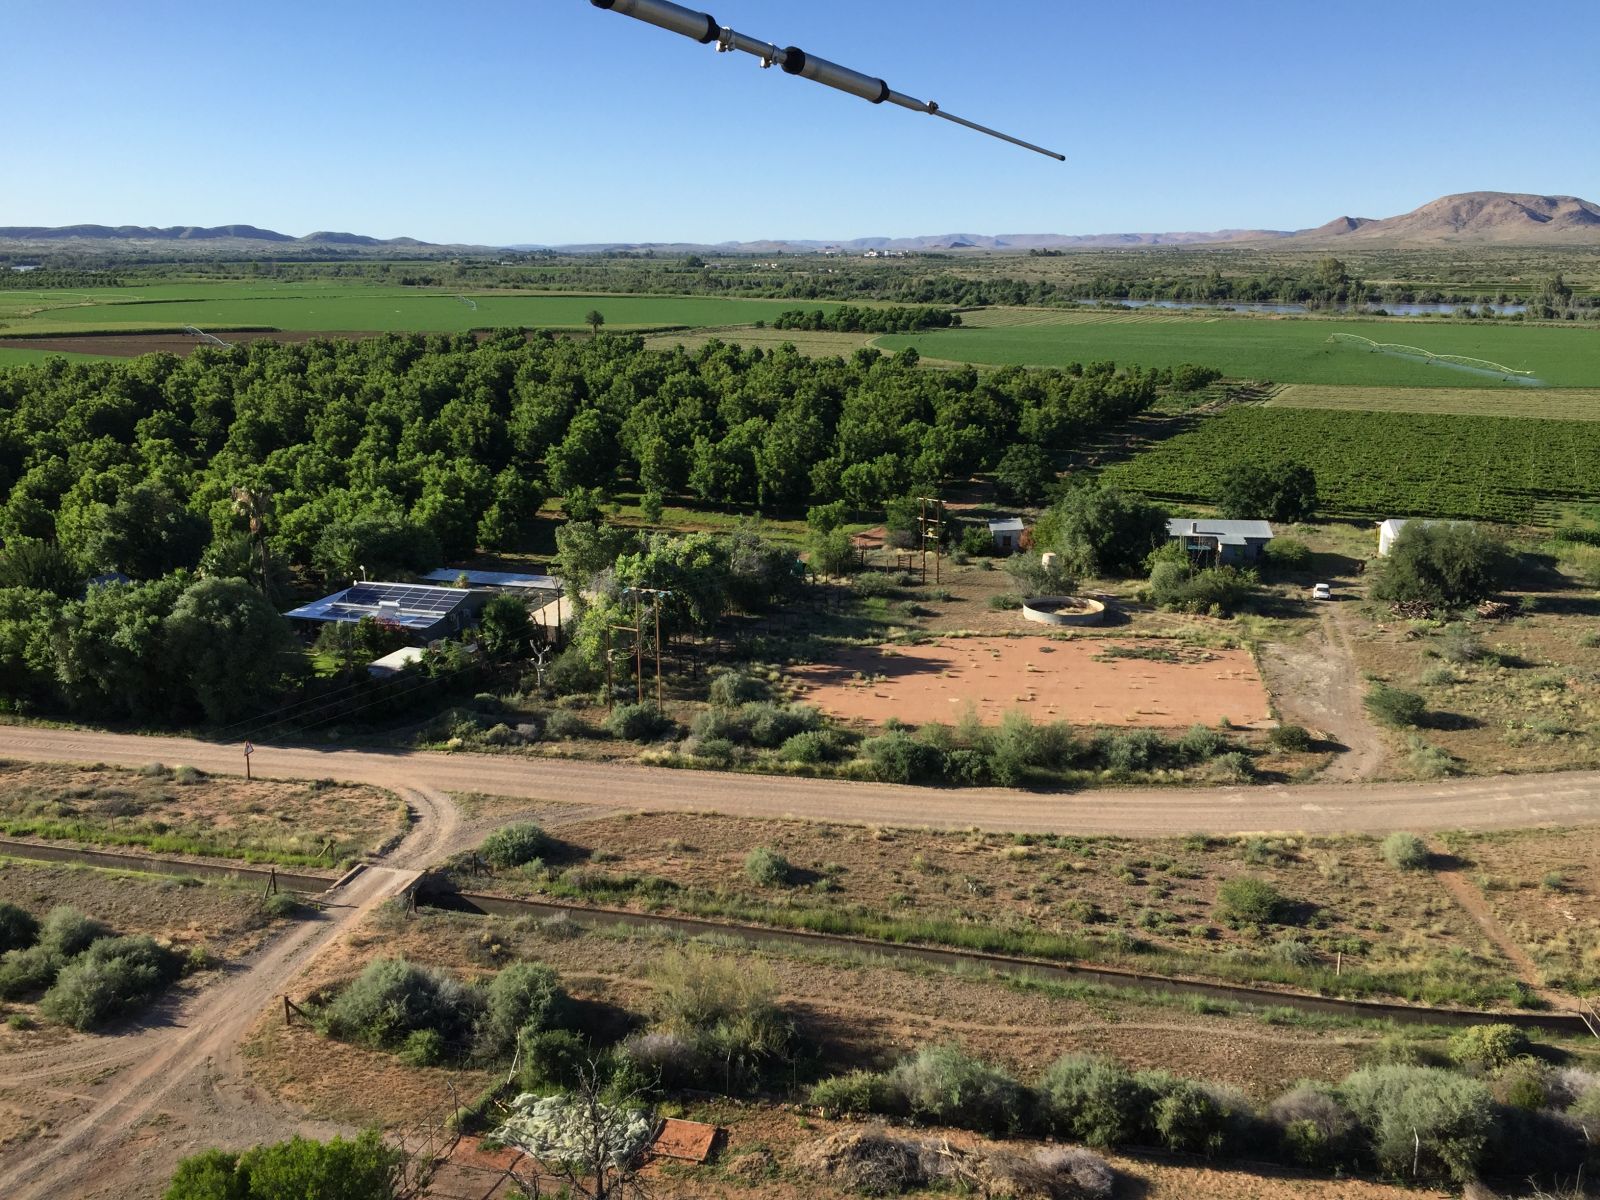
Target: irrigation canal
<point x="434" y="892"/>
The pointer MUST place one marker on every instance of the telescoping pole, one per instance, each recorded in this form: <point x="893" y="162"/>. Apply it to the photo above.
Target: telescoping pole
<point x="703" y="28"/>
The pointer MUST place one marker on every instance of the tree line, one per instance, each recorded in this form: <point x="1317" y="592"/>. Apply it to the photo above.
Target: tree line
<point x="850" y="318"/>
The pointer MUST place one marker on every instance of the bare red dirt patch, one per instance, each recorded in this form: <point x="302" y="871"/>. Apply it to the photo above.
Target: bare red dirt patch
<point x="1085" y="682"/>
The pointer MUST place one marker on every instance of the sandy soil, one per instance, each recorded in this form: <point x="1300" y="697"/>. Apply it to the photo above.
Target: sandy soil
<point x="1315" y="684"/>
<point x="1080" y="682"/>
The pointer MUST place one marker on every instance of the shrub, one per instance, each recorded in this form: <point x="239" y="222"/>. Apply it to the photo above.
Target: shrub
<point x="1185" y="1116"/>
<point x="1294" y="738"/>
<point x="639" y="723"/>
<point x="1288" y="555"/>
<point x="68" y="932"/>
<point x="23" y="972"/>
<point x="1092" y="1100"/>
<point x="113" y="976"/>
<point x="514" y="845"/>
<point x="719" y="724"/>
<point x="553" y="1060"/>
<point x="1248" y="900"/>
<point x="726" y="1009"/>
<point x="897" y="757"/>
<point x="523" y="998"/>
<point x="1135" y="750"/>
<point x="1405" y="851"/>
<point x="944" y="1085"/>
<point x="422" y="1048"/>
<point x="18" y="929"/>
<point x="393" y="998"/>
<point x="361" y="1169"/>
<point x="874" y="583"/>
<point x="562" y="724"/>
<point x="773" y="724"/>
<point x="1235" y="766"/>
<point x="767" y="868"/>
<point x="857" y="1094"/>
<point x="1200" y="743"/>
<point x="671" y="1060"/>
<point x="813" y="746"/>
<point x="1019" y="747"/>
<point x="1488" y="1046"/>
<point x="187" y="775"/>
<point x="1317" y="1131"/>
<point x="1394" y="706"/>
<point x="733" y="688"/>
<point x="1422" y="1117"/>
<point x="571" y="672"/>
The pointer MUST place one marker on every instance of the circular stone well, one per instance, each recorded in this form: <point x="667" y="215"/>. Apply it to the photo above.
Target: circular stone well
<point x="1063" y="610"/>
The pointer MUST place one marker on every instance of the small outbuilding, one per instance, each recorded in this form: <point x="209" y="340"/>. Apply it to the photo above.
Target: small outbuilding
<point x="1007" y="534"/>
<point x="393" y="664"/>
<point x="1221" y="542"/>
<point x="1387" y="532"/>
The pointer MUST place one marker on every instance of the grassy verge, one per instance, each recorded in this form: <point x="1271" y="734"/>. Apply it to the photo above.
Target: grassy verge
<point x="90" y="834"/>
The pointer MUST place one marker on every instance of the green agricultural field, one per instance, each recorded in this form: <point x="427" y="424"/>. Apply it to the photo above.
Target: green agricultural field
<point x="1282" y="350"/>
<point x="1561" y="404"/>
<point x="1376" y="464"/>
<point x="353" y="308"/>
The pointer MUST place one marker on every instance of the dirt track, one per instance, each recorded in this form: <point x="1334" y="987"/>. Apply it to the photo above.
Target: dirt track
<point x="1497" y="802"/>
<point x="184" y="1064"/>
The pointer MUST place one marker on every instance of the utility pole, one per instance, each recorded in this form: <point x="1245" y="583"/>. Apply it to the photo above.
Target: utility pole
<point x="638" y="649"/>
<point x="930" y="525"/>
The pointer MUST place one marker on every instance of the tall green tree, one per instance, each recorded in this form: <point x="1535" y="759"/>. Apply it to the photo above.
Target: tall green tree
<point x="226" y="646"/>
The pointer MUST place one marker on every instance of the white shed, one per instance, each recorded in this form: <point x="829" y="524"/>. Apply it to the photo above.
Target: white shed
<point x="1387" y="532"/>
<point x="393" y="664"/>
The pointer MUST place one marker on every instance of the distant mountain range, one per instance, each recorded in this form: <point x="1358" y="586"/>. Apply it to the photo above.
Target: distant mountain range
<point x="1471" y="218"/>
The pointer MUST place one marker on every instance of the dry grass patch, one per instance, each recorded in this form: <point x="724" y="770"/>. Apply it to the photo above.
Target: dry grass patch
<point x="181" y="811"/>
<point x="1143" y="903"/>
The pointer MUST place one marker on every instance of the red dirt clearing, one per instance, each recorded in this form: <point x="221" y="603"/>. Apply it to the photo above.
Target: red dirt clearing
<point x="1081" y="682"/>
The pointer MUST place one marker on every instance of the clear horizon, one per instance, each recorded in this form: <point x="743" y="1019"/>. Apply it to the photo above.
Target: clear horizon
<point x="567" y="124"/>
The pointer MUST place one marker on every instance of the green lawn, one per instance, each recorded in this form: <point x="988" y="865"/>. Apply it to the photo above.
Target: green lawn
<point x="1284" y="351"/>
<point x="332" y="308"/>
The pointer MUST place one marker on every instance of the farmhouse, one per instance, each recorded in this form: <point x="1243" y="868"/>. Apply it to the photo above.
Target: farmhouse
<point x="1007" y="534"/>
<point x="422" y="612"/>
<point x="1220" y="541"/>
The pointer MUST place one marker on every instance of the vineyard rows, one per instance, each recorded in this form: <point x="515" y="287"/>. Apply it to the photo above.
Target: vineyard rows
<point x="1382" y="464"/>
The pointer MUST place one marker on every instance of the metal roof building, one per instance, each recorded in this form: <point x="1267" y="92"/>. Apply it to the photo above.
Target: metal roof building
<point x="506" y="581"/>
<point x="1227" y="541"/>
<point x="424" y="612"/>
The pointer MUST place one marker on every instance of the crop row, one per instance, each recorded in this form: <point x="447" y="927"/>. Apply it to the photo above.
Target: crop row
<point x="1384" y="464"/>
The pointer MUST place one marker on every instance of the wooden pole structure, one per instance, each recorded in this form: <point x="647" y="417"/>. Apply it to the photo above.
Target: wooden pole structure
<point x="638" y="647"/>
<point x="658" y="652"/>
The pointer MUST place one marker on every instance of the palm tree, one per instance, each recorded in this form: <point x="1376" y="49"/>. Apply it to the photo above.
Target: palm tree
<point x="594" y="320"/>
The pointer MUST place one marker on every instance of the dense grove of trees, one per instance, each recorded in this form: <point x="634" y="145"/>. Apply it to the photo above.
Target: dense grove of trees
<point x="851" y="318"/>
<point x="401" y="451"/>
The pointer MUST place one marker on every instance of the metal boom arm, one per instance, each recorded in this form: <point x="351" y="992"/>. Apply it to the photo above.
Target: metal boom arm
<point x="703" y="28"/>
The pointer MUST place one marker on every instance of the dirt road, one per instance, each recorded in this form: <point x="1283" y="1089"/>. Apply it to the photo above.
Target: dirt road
<point x="1497" y="802"/>
<point x="184" y="1070"/>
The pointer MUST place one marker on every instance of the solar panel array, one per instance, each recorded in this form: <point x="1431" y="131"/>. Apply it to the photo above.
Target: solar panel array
<point x="420" y="607"/>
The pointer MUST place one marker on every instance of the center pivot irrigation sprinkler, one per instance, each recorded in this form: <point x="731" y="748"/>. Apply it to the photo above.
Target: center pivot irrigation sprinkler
<point x="703" y="28"/>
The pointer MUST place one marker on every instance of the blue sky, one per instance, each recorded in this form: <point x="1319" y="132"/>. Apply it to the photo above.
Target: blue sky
<point x="501" y="121"/>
